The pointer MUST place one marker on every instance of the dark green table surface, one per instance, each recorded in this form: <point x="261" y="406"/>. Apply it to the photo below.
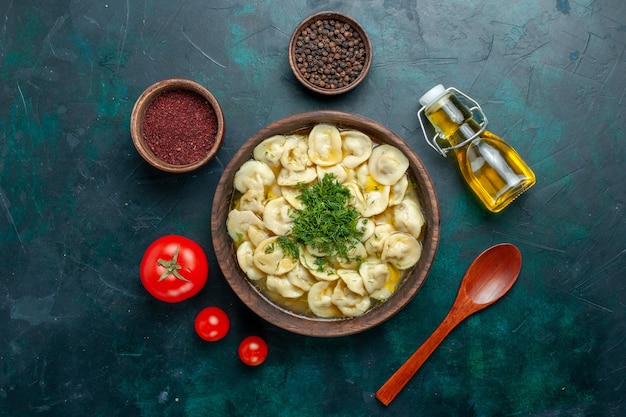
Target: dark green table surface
<point x="79" y="335"/>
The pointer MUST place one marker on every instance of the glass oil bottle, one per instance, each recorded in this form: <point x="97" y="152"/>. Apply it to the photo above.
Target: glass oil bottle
<point x="492" y="169"/>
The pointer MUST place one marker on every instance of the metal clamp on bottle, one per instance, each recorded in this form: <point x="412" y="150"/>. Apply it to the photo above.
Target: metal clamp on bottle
<point x="474" y="108"/>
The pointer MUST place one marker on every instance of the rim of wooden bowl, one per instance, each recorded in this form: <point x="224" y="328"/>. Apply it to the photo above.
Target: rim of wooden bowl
<point x="337" y="16"/>
<point x="139" y="111"/>
<point x="245" y="290"/>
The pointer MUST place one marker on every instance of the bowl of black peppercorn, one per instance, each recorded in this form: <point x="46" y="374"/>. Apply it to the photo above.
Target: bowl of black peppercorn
<point x="330" y="53"/>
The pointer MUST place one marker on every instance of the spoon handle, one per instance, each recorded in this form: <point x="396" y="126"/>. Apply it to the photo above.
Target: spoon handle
<point x="403" y="375"/>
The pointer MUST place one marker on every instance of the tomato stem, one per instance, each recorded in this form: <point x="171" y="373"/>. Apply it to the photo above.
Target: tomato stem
<point x="171" y="267"/>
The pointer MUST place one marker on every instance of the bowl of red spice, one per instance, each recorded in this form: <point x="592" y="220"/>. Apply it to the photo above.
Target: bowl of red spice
<point x="330" y="53"/>
<point x="177" y="125"/>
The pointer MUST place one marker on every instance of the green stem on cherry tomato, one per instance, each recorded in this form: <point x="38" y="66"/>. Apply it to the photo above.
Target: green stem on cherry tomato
<point x="171" y="267"/>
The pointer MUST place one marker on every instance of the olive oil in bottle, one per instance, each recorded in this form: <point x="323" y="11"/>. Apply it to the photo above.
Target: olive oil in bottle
<point x="492" y="169"/>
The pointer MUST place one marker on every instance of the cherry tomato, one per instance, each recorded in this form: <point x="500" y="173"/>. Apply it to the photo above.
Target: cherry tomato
<point x="253" y="350"/>
<point x="212" y="324"/>
<point x="174" y="268"/>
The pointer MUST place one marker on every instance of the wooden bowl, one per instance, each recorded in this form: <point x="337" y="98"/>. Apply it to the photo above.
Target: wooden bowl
<point x="305" y="71"/>
<point x="145" y="101"/>
<point x="225" y="251"/>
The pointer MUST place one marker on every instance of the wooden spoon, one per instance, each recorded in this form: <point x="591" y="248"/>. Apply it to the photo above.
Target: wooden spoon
<point x="487" y="279"/>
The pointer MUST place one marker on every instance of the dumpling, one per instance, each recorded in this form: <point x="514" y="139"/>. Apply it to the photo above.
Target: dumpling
<point x="270" y="150"/>
<point x="317" y="266"/>
<point x="320" y="299"/>
<point x="277" y="216"/>
<point x="356" y="255"/>
<point x="325" y="145"/>
<point x="375" y="194"/>
<point x="357" y="200"/>
<point x="348" y="302"/>
<point x="401" y="250"/>
<point x="238" y="222"/>
<point x="376" y="201"/>
<point x="287" y="178"/>
<point x="295" y="157"/>
<point x="374" y="245"/>
<point x="367" y="226"/>
<point x="387" y="164"/>
<point x="273" y="191"/>
<point x="356" y="146"/>
<point x="270" y="258"/>
<point x="398" y="191"/>
<point x="252" y="200"/>
<point x="386" y="217"/>
<point x="338" y="171"/>
<point x="364" y="179"/>
<point x="353" y="280"/>
<point x="313" y="251"/>
<point x="253" y="175"/>
<point x="245" y="259"/>
<point x="283" y="287"/>
<point x="256" y="235"/>
<point x="291" y="195"/>
<point x="376" y="276"/>
<point x="409" y="218"/>
<point x="301" y="277"/>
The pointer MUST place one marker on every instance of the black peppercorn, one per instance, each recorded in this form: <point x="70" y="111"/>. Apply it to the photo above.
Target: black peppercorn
<point x="334" y="51"/>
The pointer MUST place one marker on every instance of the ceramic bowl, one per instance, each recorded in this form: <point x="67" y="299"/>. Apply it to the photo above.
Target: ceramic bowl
<point x="146" y="100"/>
<point x="250" y="295"/>
<point x="301" y="56"/>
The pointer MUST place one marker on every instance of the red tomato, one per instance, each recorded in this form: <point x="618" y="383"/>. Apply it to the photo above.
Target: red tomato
<point x="253" y="350"/>
<point x="212" y="324"/>
<point x="174" y="268"/>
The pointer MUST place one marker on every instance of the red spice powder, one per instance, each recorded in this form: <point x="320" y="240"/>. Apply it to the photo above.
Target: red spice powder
<point x="180" y="127"/>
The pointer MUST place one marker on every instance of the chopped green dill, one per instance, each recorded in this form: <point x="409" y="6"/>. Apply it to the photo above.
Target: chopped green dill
<point x="321" y="264"/>
<point x="327" y="223"/>
<point x="289" y="246"/>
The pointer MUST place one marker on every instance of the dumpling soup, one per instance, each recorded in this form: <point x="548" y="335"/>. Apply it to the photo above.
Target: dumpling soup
<point x="326" y="222"/>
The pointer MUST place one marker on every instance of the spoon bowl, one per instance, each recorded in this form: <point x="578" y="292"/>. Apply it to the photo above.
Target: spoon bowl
<point x="488" y="278"/>
<point x="491" y="275"/>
